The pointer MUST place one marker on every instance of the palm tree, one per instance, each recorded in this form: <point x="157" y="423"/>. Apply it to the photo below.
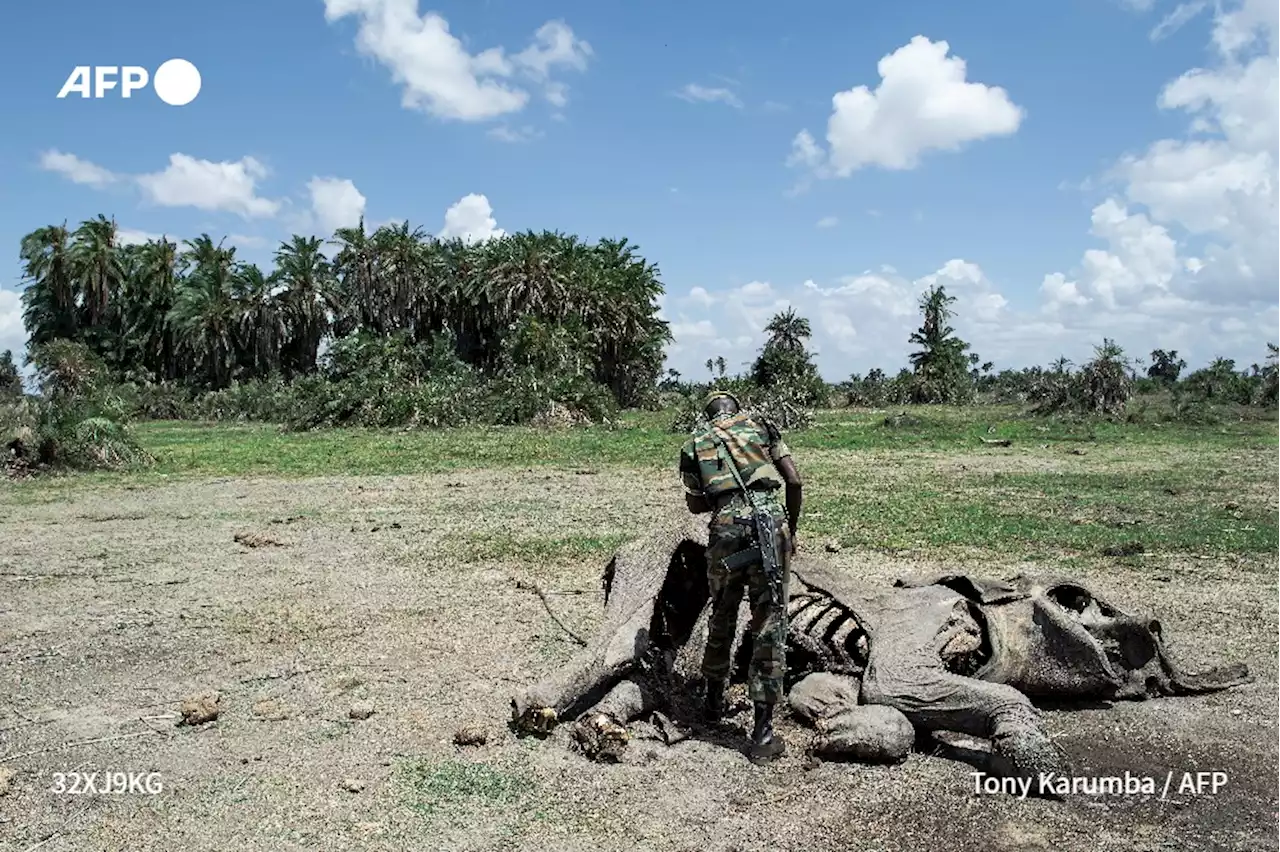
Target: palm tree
<point x="260" y="323"/>
<point x="308" y="300"/>
<point x="50" y="299"/>
<point x="96" y="266"/>
<point x="355" y="268"/>
<point x="204" y="312"/>
<point x="150" y="282"/>
<point x="788" y="331"/>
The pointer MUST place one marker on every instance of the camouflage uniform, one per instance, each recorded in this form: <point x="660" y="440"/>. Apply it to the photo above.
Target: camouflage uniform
<point x="755" y="447"/>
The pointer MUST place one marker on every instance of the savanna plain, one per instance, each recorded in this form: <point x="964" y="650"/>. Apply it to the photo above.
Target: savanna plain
<point x="356" y="597"/>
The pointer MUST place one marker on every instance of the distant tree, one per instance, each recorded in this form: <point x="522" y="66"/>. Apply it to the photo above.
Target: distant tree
<point x="1165" y="366"/>
<point x="711" y="367"/>
<point x="784" y="359"/>
<point x="1268" y="392"/>
<point x="941" y="365"/>
<point x="1219" y="382"/>
<point x="783" y="356"/>
<point x="1106" y="383"/>
<point x="721" y="365"/>
<point x="10" y="378"/>
<point x="788" y="331"/>
<point x="1102" y="387"/>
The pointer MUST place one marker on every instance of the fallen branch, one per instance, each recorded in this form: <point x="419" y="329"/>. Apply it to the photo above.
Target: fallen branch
<point x="542" y="596"/>
<point x="996" y="442"/>
<point x="9" y="757"/>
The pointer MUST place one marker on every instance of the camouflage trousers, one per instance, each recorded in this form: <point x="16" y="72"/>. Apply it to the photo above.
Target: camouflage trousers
<point x="768" y="634"/>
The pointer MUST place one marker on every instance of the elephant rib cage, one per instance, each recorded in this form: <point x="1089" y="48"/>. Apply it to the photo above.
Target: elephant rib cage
<point x="823" y="634"/>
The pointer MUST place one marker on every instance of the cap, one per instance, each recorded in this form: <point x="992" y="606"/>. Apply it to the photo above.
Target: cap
<point x="716" y="394"/>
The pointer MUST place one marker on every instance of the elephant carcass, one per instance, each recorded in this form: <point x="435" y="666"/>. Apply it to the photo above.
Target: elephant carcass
<point x="1056" y="639"/>
<point x="655" y="588"/>
<point x="949" y="652"/>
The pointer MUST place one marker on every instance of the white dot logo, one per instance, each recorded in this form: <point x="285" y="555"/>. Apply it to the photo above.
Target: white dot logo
<point x="177" y="82"/>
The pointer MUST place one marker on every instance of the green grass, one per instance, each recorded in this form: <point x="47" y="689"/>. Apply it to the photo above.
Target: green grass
<point x="1062" y="488"/>
<point x="487" y="547"/>
<point x="507" y="797"/>
<point x="435" y="784"/>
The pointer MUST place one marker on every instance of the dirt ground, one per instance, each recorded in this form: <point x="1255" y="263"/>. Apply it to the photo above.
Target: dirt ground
<point x="117" y="602"/>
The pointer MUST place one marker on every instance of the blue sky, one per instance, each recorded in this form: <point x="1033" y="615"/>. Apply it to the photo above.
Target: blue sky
<point x="1063" y="168"/>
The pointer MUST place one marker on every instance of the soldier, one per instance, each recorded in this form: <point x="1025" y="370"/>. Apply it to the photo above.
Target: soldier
<point x="718" y="468"/>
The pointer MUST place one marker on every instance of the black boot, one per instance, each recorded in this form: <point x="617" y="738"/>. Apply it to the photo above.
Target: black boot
<point x="765" y="744"/>
<point x="713" y="701"/>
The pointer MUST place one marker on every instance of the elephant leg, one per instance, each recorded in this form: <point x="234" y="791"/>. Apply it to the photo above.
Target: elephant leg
<point x="846" y="729"/>
<point x="935" y="699"/>
<point x="601" y="732"/>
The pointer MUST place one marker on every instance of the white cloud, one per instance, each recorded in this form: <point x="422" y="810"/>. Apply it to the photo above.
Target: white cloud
<point x="1196" y="228"/>
<point x="700" y="296"/>
<point x="858" y="321"/>
<point x="864" y="320"/>
<point x="470" y="219"/>
<point x="828" y="222"/>
<point x="76" y="170"/>
<point x="923" y="103"/>
<point x="224" y="186"/>
<point x="506" y="133"/>
<point x="13" y="335"/>
<point x="554" y="45"/>
<point x="694" y="93"/>
<point x="438" y="74"/>
<point x="755" y="291"/>
<point x="335" y="203"/>
<point x="134" y="237"/>
<point x="229" y="186"/>
<point x="248" y="241"/>
<point x="1177" y="19"/>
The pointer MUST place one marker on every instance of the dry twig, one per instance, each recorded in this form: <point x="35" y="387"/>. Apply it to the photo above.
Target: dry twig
<point x="542" y="596"/>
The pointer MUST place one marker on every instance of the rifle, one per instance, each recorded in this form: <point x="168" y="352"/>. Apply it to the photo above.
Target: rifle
<point x="766" y="530"/>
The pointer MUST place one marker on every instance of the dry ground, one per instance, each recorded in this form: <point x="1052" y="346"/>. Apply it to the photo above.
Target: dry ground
<point x="118" y="600"/>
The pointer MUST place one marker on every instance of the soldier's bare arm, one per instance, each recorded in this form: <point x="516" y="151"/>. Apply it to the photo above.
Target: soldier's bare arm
<point x="782" y="460"/>
<point x="795" y="493"/>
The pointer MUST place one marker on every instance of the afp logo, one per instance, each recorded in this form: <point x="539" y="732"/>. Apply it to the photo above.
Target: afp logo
<point x="176" y="82"/>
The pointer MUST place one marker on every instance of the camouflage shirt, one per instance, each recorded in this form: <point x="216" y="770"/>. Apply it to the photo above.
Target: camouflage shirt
<point x="754" y="445"/>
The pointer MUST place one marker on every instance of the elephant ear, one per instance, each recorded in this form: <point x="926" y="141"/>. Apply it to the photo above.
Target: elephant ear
<point x="978" y="589"/>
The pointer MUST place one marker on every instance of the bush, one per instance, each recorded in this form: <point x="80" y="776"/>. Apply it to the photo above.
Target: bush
<point x="1102" y="388"/>
<point x="78" y="421"/>
<point x="786" y="407"/>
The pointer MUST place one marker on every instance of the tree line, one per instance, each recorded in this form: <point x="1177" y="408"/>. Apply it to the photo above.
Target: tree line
<point x="395" y="326"/>
<point x="943" y="369"/>
<point x="197" y="315"/>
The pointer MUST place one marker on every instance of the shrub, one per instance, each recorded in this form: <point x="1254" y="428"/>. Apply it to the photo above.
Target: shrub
<point x="1102" y="388"/>
<point x="784" y="406"/>
<point x="77" y="421"/>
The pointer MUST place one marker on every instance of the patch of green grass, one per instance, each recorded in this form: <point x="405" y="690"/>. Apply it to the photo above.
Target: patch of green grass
<point x="640" y="441"/>
<point x="443" y="791"/>
<point x="257" y="449"/>
<point x="1035" y="513"/>
<point x="958" y="427"/>
<point x="485" y="547"/>
<point x="446" y="781"/>
<point x="926" y="481"/>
